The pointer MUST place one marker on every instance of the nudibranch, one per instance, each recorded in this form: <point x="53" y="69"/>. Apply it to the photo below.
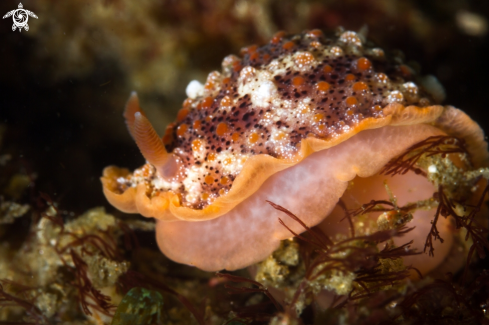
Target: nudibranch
<point x="295" y="122"/>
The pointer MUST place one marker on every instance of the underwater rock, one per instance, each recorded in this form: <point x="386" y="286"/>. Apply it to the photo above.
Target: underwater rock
<point x="11" y="210"/>
<point x="65" y="269"/>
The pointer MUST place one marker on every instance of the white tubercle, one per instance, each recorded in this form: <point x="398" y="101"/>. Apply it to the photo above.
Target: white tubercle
<point x="194" y="89"/>
<point x="261" y="89"/>
<point x="264" y="94"/>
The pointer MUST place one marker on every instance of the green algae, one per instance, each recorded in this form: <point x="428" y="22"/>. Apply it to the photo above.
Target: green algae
<point x="139" y="306"/>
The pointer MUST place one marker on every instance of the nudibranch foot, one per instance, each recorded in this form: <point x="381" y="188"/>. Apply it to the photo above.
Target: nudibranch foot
<point x="292" y="122"/>
<point x="252" y="228"/>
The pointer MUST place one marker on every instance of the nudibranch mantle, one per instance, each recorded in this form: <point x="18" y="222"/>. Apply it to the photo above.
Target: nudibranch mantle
<point x="263" y="116"/>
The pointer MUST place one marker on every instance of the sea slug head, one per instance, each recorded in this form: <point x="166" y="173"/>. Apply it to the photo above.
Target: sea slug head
<point x="293" y="122"/>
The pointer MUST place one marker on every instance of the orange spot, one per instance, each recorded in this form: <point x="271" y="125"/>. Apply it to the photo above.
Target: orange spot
<point x="378" y="107"/>
<point x="207" y="102"/>
<point x="277" y="37"/>
<point x="182" y="114"/>
<point x="327" y="68"/>
<point x="405" y="70"/>
<point x="396" y="96"/>
<point x="279" y="136"/>
<point x="297" y="81"/>
<point x="323" y="86"/>
<point x="349" y="113"/>
<point x="209" y="84"/>
<point x="182" y="129"/>
<point x="266" y="56"/>
<point x="224" y="180"/>
<point x="211" y="157"/>
<point x="253" y="137"/>
<point x="364" y="64"/>
<point x="315" y="33"/>
<point x="145" y="170"/>
<point x="315" y="44"/>
<point x="351" y="101"/>
<point x="321" y="127"/>
<point x="196" y="145"/>
<point x="222" y="128"/>
<point x="252" y="48"/>
<point x="213" y="79"/>
<point x="318" y="117"/>
<point x="226" y="80"/>
<point x="237" y="66"/>
<point x="187" y="102"/>
<point x="359" y="86"/>
<point x="249" y="50"/>
<point x="235" y="136"/>
<point x="227" y="161"/>
<point x="222" y="191"/>
<point x="209" y="179"/>
<point x="350" y="77"/>
<point x="205" y="196"/>
<point x="168" y="137"/>
<point x="304" y="58"/>
<point x="253" y="56"/>
<point x="288" y="45"/>
<point x="197" y="124"/>
<point x="208" y="118"/>
<point x="226" y="101"/>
